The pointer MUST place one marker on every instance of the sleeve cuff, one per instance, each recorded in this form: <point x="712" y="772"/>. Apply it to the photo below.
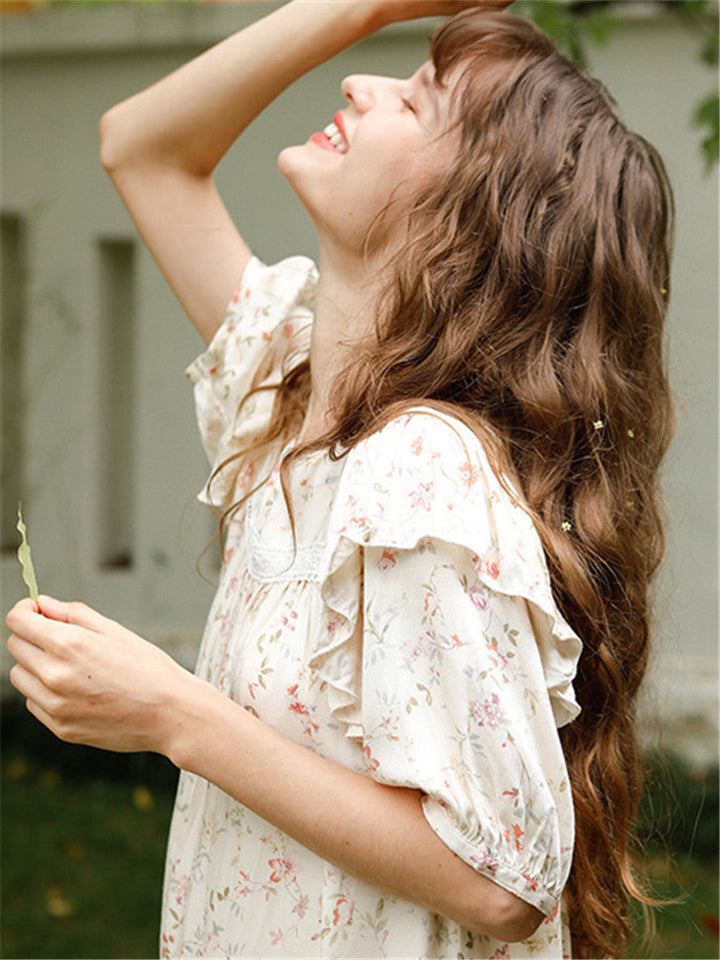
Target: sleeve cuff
<point x="507" y="877"/>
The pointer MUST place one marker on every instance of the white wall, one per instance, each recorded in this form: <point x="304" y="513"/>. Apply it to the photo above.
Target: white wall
<point x="61" y="69"/>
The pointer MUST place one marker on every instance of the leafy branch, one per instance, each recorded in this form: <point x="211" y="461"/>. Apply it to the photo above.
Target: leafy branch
<point x="577" y="24"/>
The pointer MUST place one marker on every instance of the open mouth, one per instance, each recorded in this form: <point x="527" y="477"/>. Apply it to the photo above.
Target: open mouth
<point x="332" y="137"/>
<point x="335" y="135"/>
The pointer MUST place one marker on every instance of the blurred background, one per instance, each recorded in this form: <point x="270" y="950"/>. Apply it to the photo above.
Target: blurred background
<point x="99" y="439"/>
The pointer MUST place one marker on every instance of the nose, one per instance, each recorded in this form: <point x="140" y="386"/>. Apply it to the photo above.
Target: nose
<point x="361" y="90"/>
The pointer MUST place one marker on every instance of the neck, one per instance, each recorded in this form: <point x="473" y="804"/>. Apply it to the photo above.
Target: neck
<point x="344" y="315"/>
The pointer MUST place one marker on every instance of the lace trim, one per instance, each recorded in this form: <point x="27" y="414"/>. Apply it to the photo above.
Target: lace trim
<point x="281" y="564"/>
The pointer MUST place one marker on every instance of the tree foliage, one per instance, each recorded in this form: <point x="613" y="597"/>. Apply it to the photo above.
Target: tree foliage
<point x="577" y="24"/>
<point x="573" y="25"/>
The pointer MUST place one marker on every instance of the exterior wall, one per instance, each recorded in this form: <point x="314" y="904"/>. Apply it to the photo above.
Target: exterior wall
<point x="61" y="69"/>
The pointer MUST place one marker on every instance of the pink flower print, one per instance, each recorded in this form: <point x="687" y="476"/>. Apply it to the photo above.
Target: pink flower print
<point x="431" y="604"/>
<point x="287" y="621"/>
<point x="244" y="477"/>
<point x="551" y="916"/>
<point x="343" y="912"/>
<point x="183" y="888"/>
<point x="267" y="335"/>
<point x="491" y="569"/>
<point x="487" y="712"/>
<point x="496" y="658"/>
<point x="422" y="495"/>
<point x="242" y="887"/>
<point x="389" y="724"/>
<point x="517" y="835"/>
<point x="477" y="597"/>
<point x="370" y="762"/>
<point x="484" y="862"/>
<point x="301" y="709"/>
<point x="514" y="793"/>
<point x="469" y="473"/>
<point x="236" y="295"/>
<point x="416" y="446"/>
<point x="288" y="330"/>
<point x="212" y="371"/>
<point x="301" y="907"/>
<point x="530" y="882"/>
<point x="282" y="870"/>
<point x="501" y="953"/>
<point x="387" y="560"/>
<point x="228" y="555"/>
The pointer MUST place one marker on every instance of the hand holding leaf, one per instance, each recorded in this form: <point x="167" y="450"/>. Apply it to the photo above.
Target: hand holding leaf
<point x="25" y="558"/>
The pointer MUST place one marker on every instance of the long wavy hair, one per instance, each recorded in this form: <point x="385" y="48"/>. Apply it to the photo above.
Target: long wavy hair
<point x="529" y="300"/>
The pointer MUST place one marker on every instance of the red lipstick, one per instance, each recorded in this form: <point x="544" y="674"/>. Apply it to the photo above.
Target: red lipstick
<point x="322" y="140"/>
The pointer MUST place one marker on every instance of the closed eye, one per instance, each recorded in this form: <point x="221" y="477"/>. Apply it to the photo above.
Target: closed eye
<point x="408" y="105"/>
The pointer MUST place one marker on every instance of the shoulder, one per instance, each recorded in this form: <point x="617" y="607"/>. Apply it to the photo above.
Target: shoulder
<point x="278" y="285"/>
<point x="426" y="473"/>
<point x="435" y="446"/>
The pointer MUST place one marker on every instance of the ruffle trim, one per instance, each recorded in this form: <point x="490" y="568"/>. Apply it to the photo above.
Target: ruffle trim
<point x="372" y="507"/>
<point x="266" y="326"/>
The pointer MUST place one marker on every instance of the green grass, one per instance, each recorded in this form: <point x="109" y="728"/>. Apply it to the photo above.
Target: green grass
<point x="83" y="845"/>
<point x="83" y="850"/>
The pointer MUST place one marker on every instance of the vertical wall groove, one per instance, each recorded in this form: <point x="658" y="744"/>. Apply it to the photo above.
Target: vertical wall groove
<point x="13" y="271"/>
<point x="116" y="404"/>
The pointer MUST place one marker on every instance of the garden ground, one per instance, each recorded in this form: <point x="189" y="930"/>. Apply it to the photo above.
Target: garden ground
<point x="83" y="843"/>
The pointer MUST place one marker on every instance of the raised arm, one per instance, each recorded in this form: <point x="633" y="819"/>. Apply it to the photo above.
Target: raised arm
<point x="161" y="146"/>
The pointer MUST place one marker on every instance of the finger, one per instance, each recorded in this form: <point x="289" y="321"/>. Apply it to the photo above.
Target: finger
<point x="27" y="684"/>
<point x="28" y="654"/>
<point x="24" y="621"/>
<point x="22" y="606"/>
<point x="73" y="612"/>
<point x="45" y="718"/>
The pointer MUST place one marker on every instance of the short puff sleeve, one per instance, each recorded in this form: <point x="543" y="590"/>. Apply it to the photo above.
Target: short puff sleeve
<point x="465" y="667"/>
<point x="266" y="331"/>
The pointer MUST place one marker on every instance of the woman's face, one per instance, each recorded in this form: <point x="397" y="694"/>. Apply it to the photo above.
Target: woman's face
<point x="382" y="148"/>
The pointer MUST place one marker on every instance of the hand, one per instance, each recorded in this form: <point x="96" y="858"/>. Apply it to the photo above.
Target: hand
<point x="91" y="681"/>
<point x="393" y="11"/>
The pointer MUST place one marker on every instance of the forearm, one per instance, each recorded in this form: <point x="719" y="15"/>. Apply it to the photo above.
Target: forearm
<point x="193" y="116"/>
<point x="374" y="832"/>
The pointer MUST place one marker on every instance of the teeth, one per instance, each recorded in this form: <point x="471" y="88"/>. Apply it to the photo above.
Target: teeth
<point x="335" y="138"/>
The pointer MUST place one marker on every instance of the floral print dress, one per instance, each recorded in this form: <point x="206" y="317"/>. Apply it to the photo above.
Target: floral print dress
<point x="411" y="636"/>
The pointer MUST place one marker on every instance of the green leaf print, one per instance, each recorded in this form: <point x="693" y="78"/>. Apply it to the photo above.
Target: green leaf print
<point x="428" y="695"/>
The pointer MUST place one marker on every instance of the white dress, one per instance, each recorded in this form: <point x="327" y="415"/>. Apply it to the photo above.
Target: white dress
<point x="412" y="636"/>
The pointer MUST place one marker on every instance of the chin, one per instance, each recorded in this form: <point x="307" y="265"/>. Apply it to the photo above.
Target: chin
<point x="287" y="162"/>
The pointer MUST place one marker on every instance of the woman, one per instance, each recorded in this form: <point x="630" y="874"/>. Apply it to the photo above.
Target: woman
<point x="435" y="460"/>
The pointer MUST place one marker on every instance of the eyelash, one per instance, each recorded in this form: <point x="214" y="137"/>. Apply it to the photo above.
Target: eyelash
<point x="406" y="103"/>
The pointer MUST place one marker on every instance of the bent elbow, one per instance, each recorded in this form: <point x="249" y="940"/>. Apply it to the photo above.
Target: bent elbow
<point x="107" y="141"/>
<point x="513" y="919"/>
<point x="524" y="923"/>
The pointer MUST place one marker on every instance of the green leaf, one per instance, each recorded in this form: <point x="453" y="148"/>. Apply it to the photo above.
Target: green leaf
<point x="707" y="115"/>
<point x="25" y="558"/>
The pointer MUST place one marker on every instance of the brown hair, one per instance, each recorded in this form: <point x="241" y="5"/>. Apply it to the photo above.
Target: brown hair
<point x="529" y="300"/>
